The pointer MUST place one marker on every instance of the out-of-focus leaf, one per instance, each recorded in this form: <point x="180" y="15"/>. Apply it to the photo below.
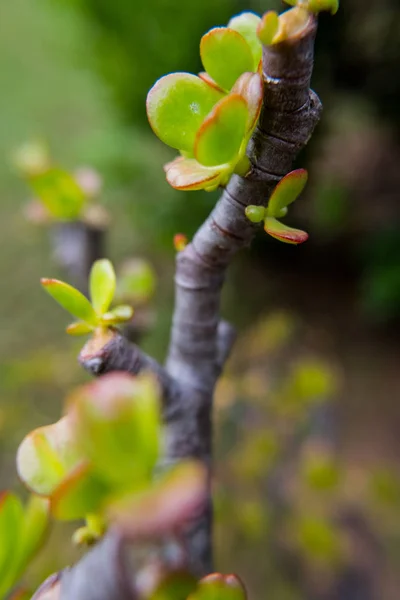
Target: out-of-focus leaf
<point x="118" y="424"/>
<point x="46" y="455"/>
<point x="180" y="241"/>
<point x="225" y="55"/>
<point x="136" y="281"/>
<point x="246" y="24"/>
<point x="80" y="328"/>
<point x="11" y="520"/>
<point x="220" y="136"/>
<point x="59" y="192"/>
<point x="34" y="528"/>
<point x="250" y="87"/>
<point x="32" y="158"/>
<point x="71" y="300"/>
<point x="174" y="586"/>
<point x="219" y="587"/>
<point x="188" y="174"/>
<point x="268" y="27"/>
<point x="317" y="6"/>
<point x="80" y="493"/>
<point x="318" y="539"/>
<point x="119" y="314"/>
<point x="176" y="107"/>
<point x="284" y="233"/>
<point x="287" y="191"/>
<point x="174" y="498"/>
<point x="102" y="284"/>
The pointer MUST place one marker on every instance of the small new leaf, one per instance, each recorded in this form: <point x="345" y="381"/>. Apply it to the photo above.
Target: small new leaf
<point x="102" y="284"/>
<point x="119" y="314"/>
<point x="287" y="191"/>
<point x="255" y="214"/>
<point x="284" y="233"/>
<point x="268" y="27"/>
<point x="71" y="300"/>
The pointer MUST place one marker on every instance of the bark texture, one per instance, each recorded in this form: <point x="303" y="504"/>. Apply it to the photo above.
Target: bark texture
<point x="200" y="342"/>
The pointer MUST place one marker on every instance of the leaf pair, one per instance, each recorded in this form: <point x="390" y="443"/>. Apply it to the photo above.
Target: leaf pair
<point x="212" y="135"/>
<point x="286" y="192"/>
<point x="102" y="284"/>
<point x="22" y="530"/>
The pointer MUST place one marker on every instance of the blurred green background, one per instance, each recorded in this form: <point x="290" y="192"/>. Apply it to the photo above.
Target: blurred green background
<point x="76" y="73"/>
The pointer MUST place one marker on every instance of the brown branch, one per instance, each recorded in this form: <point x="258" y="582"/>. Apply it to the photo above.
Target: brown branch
<point x="199" y="343"/>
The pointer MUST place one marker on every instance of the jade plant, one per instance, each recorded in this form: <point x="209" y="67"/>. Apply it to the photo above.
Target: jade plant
<point x="132" y="453"/>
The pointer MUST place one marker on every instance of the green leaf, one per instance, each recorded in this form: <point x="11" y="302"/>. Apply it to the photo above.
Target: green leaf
<point x="255" y="214"/>
<point x="284" y="233"/>
<point x="287" y="191"/>
<point x="225" y="55"/>
<point x="34" y="528"/>
<point x="171" y="501"/>
<point x="46" y="455"/>
<point x="176" y="107"/>
<point x="219" y="587"/>
<point x="102" y="283"/>
<point x="136" y="281"/>
<point x="80" y="328"/>
<point x="250" y="87"/>
<point x="188" y="174"/>
<point x="220" y="137"/>
<point x="11" y="519"/>
<point x="118" y="426"/>
<point x="246" y="24"/>
<point x="317" y="6"/>
<point x="79" y="494"/>
<point x="71" y="300"/>
<point x="268" y="27"/>
<point x="175" y="585"/>
<point x="119" y="314"/>
<point x="59" y="192"/>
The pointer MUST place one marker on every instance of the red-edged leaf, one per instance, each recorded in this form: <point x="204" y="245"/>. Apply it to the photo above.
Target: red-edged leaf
<point x="70" y="299"/>
<point x="225" y="55"/>
<point x="250" y="87"/>
<point x="210" y="81"/>
<point x="246" y="24"/>
<point x="268" y="27"/>
<point x="175" y="498"/>
<point x="284" y="233"/>
<point x="220" y="136"/>
<point x="287" y="191"/>
<point x="188" y="174"/>
<point x="177" y="105"/>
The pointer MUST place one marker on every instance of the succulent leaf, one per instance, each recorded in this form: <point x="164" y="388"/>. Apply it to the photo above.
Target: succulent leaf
<point x="177" y="105"/>
<point x="71" y="300"/>
<point x="79" y="328"/>
<point x="219" y="587"/>
<point x="287" y="191"/>
<point x="136" y="281"/>
<point x="283" y="233"/>
<point x="102" y="283"/>
<point x="225" y="55"/>
<point x="59" y="192"/>
<point x="220" y="136"/>
<point x="250" y="87"/>
<point x="246" y="24"/>
<point x="46" y="455"/>
<point x="188" y="174"/>
<point x="119" y="314"/>
<point x="255" y="214"/>
<point x="268" y="27"/>
<point x="118" y="427"/>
